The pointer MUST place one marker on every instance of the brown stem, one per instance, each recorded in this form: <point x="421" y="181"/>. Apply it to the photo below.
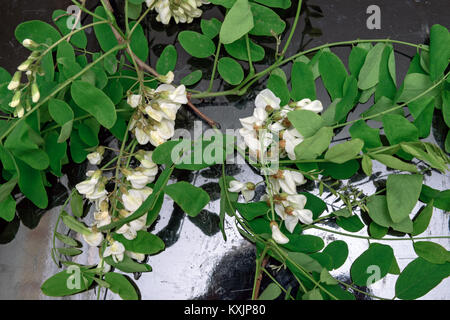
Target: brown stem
<point x="211" y="122"/>
<point x="260" y="276"/>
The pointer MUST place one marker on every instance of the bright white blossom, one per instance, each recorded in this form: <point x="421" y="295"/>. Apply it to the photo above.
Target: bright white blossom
<point x="183" y="11"/>
<point x="292" y="210"/>
<point x="306" y="104"/>
<point x="94" y="238"/>
<point x="277" y="235"/>
<point x="247" y="189"/>
<point x="116" y="250"/>
<point x="287" y="181"/>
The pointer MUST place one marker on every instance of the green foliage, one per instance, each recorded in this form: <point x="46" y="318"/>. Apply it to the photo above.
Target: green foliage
<point x="196" y="44"/>
<point x="237" y="22"/>
<point x="230" y="70"/>
<point x="183" y="193"/>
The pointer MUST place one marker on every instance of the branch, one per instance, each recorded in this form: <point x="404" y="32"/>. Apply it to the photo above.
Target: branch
<point x="211" y="122"/>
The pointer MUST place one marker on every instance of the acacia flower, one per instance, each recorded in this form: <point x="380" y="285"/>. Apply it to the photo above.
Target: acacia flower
<point x="95" y="158"/>
<point x="94" y="238"/>
<point x="116" y="250"/>
<point x="286" y="180"/>
<point x="291" y="208"/>
<point x="306" y="104"/>
<point x="15" y="81"/>
<point x="247" y="189"/>
<point x="277" y="235"/>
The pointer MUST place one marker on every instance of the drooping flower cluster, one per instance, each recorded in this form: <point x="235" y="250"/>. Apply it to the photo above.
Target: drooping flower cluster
<point x="269" y="135"/>
<point x="154" y="120"/>
<point x="133" y="191"/>
<point x="183" y="11"/>
<point x="23" y="92"/>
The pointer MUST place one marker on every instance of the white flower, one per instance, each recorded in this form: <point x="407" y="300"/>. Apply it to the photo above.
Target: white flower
<point x="35" y="94"/>
<point x="128" y="232"/>
<point x="306" y="104"/>
<point x="88" y="186"/>
<point x="286" y="180"/>
<point x="98" y="193"/>
<point x="291" y="139"/>
<point x="16" y="99"/>
<point x="172" y="94"/>
<point x="15" y="81"/>
<point x="102" y="218"/>
<point x="29" y="44"/>
<point x="168" y="78"/>
<point x="138" y="179"/>
<point x="266" y="98"/>
<point x="94" y="238"/>
<point x="134" y="100"/>
<point x="292" y="210"/>
<point x="141" y="137"/>
<point x="247" y="189"/>
<point x="116" y="250"/>
<point x="145" y="159"/>
<point x="139" y="257"/>
<point x="277" y="235"/>
<point x="94" y="158"/>
<point x="133" y="200"/>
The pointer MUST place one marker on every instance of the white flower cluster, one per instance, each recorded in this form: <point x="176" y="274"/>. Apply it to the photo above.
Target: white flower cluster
<point x="157" y="109"/>
<point x="134" y="192"/>
<point x="270" y="121"/>
<point x="268" y="124"/>
<point x="30" y="67"/>
<point x="183" y="11"/>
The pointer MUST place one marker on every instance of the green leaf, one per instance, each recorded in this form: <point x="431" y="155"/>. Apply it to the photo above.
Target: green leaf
<point x="67" y="240"/>
<point x="139" y="43"/>
<point x="339" y="171"/>
<point x="128" y="265"/>
<point x="196" y="44"/>
<point x="432" y="252"/>
<point x="60" y="19"/>
<point x="192" y="78"/>
<point x="303" y="260"/>
<point x="356" y="60"/>
<point x="416" y="84"/>
<point x="65" y="283"/>
<point x="419" y="277"/>
<point x="394" y="163"/>
<point x="306" y="122"/>
<point x="302" y="81"/>
<point x="56" y="152"/>
<point x="351" y="224"/>
<point x="279" y="87"/>
<point x="103" y="32"/>
<point x="76" y="204"/>
<point x="366" y="165"/>
<point x="227" y="199"/>
<point x="369" y="74"/>
<point x="313" y="294"/>
<point x="238" y="50"/>
<point x="121" y="285"/>
<point x="266" y="21"/>
<point x="8" y="208"/>
<point x="399" y="129"/>
<point x="333" y="74"/>
<point x="376" y="231"/>
<point x="38" y="31"/>
<point x="7" y="187"/>
<point x="183" y="193"/>
<point x="338" y="250"/>
<point x="350" y="93"/>
<point x="376" y="256"/>
<point x="252" y="210"/>
<point x="403" y="191"/>
<point x="271" y="292"/>
<point x="325" y="277"/>
<point x="237" y="22"/>
<point x="71" y="252"/>
<point x="344" y="152"/>
<point x="144" y="242"/>
<point x="284" y="4"/>
<point x="380" y="107"/>
<point x="315" y="145"/>
<point x="210" y="28"/>
<point x="230" y="70"/>
<point x="31" y="185"/>
<point x="167" y="60"/>
<point x="379" y="213"/>
<point x="74" y="224"/>
<point x="369" y="135"/>
<point x="315" y="204"/>
<point x="422" y="220"/>
<point x="95" y="102"/>
<point x="303" y="243"/>
<point x="386" y="86"/>
<point x="439" y="51"/>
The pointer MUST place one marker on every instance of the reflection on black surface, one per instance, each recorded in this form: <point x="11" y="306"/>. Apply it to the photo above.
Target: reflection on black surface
<point x="207" y="222"/>
<point x="171" y="233"/>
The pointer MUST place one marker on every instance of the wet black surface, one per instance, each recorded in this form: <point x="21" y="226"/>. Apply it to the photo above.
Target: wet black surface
<point x="322" y="21"/>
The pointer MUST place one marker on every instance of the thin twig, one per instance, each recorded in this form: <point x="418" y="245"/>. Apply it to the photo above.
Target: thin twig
<point x="260" y="276"/>
<point x="211" y="122"/>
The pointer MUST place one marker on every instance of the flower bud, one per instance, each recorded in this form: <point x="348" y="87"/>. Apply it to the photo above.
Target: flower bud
<point x="25" y="65"/>
<point x="30" y="44"/>
<point x="35" y="94"/>
<point x="250" y="186"/>
<point x="277" y="235"/>
<point x="16" y="99"/>
<point x="15" y="81"/>
<point x="168" y="78"/>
